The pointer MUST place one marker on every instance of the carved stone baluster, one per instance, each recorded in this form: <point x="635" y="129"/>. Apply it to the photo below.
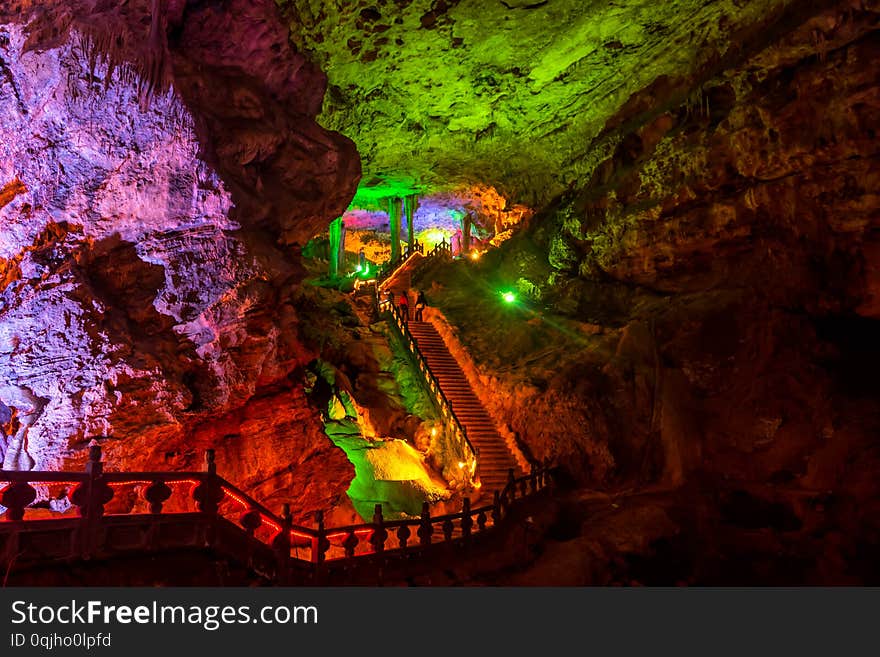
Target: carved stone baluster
<point x="251" y="521"/>
<point x="466" y="521"/>
<point x="350" y="544"/>
<point x="496" y="508"/>
<point x="533" y="479"/>
<point x="523" y="488"/>
<point x="511" y="484"/>
<point x="425" y="527"/>
<point x="403" y="534"/>
<point x="208" y="495"/>
<point x="377" y="538"/>
<point x="16" y="497"/>
<point x="481" y="521"/>
<point x="157" y="493"/>
<point x="448" y="528"/>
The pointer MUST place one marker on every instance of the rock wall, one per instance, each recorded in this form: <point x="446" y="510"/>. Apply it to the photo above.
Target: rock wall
<point x="155" y="158"/>
<point x="443" y="92"/>
<point x="738" y="234"/>
<point x="698" y="312"/>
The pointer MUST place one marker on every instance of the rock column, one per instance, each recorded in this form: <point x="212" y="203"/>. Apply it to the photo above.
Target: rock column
<point x="410" y="205"/>
<point x="394" y="211"/>
<point x="337" y="232"/>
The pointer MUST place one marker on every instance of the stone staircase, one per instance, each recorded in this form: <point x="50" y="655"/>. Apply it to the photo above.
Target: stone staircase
<point x="495" y="459"/>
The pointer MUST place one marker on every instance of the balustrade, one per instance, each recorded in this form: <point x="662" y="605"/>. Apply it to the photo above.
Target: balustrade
<point x="453" y="427"/>
<point x="218" y="501"/>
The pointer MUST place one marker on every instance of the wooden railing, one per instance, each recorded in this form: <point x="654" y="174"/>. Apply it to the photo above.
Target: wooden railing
<point x="388" y="269"/>
<point x="201" y="509"/>
<point x="442" y="249"/>
<point x="467" y="454"/>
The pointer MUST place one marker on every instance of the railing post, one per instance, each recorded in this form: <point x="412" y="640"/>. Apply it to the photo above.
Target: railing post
<point x="425" y="527"/>
<point x="496" y="508"/>
<point x="208" y="496"/>
<point x="511" y="484"/>
<point x="377" y="539"/>
<point x="466" y="521"/>
<point x="90" y="497"/>
<point x="319" y="540"/>
<point x="94" y="469"/>
<point x="281" y="544"/>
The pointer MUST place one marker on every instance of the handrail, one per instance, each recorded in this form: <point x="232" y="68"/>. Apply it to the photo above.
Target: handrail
<point x="433" y="384"/>
<point x="213" y="495"/>
<point x="443" y="248"/>
<point x="388" y="269"/>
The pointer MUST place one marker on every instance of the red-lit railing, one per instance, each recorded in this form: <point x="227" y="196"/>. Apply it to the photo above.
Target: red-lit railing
<point x="388" y="269"/>
<point x="202" y="499"/>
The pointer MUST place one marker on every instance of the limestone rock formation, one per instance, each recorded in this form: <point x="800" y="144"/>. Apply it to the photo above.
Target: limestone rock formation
<point x="155" y="158"/>
<point x="441" y="92"/>
<point x="698" y="310"/>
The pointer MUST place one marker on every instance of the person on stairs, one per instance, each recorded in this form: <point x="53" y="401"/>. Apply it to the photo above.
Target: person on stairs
<point x="420" y="306"/>
<point x="403" y="305"/>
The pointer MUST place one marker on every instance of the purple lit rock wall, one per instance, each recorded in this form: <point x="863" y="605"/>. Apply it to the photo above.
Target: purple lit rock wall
<point x="144" y="215"/>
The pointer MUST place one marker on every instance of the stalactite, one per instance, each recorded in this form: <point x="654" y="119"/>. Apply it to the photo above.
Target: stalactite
<point x="116" y="48"/>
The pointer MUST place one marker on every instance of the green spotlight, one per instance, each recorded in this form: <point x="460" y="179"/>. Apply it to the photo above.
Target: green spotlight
<point x="509" y="297"/>
<point x="358" y="268"/>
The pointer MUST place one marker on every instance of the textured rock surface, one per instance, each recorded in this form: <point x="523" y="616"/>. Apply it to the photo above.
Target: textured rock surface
<point x="149" y="166"/>
<point x="505" y="93"/>
<point x="697" y="313"/>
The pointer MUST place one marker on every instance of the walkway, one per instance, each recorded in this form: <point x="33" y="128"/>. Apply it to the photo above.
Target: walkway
<point x="495" y="459"/>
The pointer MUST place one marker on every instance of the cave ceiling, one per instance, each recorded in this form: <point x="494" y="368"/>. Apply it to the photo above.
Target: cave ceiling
<point x="511" y="93"/>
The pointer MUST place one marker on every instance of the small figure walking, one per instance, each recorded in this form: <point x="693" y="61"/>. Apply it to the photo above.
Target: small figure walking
<point x="420" y="306"/>
<point x="403" y="305"/>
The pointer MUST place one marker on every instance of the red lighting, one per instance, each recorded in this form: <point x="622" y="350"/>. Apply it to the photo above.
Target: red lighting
<point x="240" y="500"/>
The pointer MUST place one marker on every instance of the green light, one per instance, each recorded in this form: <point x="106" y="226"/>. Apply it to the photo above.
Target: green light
<point x="508" y="297"/>
<point x="358" y="268"/>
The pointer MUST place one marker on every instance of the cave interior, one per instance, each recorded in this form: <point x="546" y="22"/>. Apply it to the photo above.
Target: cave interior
<point x="662" y="279"/>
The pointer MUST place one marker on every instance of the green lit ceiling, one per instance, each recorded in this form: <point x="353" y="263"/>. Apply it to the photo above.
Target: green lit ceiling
<point x="501" y="92"/>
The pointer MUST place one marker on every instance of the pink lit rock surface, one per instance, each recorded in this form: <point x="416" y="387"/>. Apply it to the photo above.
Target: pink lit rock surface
<point x="143" y="283"/>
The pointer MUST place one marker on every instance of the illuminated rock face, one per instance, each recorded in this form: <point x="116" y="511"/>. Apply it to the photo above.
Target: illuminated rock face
<point x="143" y="292"/>
<point x="698" y="310"/>
<point x="444" y="92"/>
